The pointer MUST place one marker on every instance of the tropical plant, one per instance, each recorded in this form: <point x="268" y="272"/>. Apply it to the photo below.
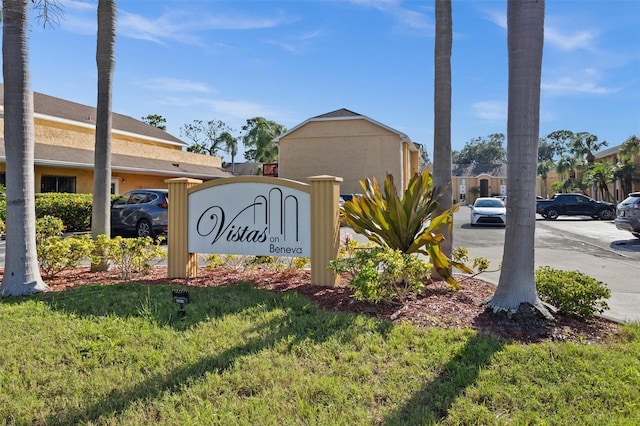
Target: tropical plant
<point x="624" y="171"/>
<point x="543" y="169"/>
<point x="407" y="224"/>
<point x="584" y="145"/>
<point x="630" y="148"/>
<point x="601" y="175"/>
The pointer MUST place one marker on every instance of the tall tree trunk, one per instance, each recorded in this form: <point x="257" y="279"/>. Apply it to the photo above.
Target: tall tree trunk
<point x="101" y="215"/>
<point x="21" y="271"/>
<point x="442" y="115"/>
<point x="525" y="29"/>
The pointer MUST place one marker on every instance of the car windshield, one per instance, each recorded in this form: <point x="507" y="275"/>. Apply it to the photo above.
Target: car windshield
<point x="489" y="203"/>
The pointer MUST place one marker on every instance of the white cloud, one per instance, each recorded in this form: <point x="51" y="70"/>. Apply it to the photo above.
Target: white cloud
<point x="175" y="85"/>
<point x="582" y="39"/>
<point x="490" y="110"/>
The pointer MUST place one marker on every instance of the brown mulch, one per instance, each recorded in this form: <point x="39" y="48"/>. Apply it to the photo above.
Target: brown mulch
<point x="437" y="307"/>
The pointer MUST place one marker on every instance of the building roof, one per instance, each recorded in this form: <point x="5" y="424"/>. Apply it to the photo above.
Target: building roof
<point x="345" y="114"/>
<point x="62" y="156"/>
<point x="57" y="109"/>
<point x="608" y="152"/>
<point x="475" y="170"/>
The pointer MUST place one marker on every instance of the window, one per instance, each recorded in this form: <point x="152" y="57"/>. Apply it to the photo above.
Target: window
<point x="58" y="184"/>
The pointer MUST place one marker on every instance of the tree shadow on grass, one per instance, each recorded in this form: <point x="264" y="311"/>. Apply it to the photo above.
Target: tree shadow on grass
<point x="302" y="321"/>
<point x="432" y="403"/>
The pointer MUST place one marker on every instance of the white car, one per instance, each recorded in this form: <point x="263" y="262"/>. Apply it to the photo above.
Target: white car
<point x="488" y="211"/>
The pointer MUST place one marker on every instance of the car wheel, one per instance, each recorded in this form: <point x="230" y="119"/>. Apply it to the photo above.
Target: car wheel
<point x="605" y="214"/>
<point x="144" y="229"/>
<point x="552" y="214"/>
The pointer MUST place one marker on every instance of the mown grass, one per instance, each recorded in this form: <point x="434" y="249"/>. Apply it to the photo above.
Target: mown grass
<point x="243" y="356"/>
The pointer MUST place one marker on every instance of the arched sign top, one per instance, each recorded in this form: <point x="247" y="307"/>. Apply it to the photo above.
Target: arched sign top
<point x="268" y="180"/>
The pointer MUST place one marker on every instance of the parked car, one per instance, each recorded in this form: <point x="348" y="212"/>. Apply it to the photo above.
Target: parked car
<point x="140" y="212"/>
<point x="575" y="205"/>
<point x="628" y="214"/>
<point x="488" y="211"/>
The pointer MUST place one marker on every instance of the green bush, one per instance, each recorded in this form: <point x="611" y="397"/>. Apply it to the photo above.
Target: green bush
<point x="383" y="274"/>
<point x="56" y="254"/>
<point x="73" y="209"/>
<point x="572" y="292"/>
<point x="48" y="226"/>
<point x="129" y="255"/>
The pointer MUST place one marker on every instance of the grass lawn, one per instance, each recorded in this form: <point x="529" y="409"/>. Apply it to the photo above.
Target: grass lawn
<point x="120" y="354"/>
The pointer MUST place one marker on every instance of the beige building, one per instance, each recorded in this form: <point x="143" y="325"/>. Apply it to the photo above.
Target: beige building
<point x="142" y="156"/>
<point x="470" y="181"/>
<point x="349" y="145"/>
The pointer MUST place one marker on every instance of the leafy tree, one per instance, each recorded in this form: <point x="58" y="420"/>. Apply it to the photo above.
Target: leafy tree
<point x="209" y="137"/>
<point x="480" y="150"/>
<point x="105" y="60"/>
<point x="559" y="143"/>
<point x="623" y="171"/>
<point x="442" y="116"/>
<point x="525" y="35"/>
<point x="258" y="137"/>
<point x="585" y="144"/>
<point x="155" y="120"/>
<point x="21" y="272"/>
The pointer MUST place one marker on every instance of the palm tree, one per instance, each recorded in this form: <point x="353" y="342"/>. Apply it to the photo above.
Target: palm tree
<point x="100" y="213"/>
<point x="601" y="175"/>
<point x="543" y="169"/>
<point x="525" y="35"/>
<point x="630" y="148"/>
<point x="585" y="144"/>
<point x="21" y="272"/>
<point x="442" y="116"/>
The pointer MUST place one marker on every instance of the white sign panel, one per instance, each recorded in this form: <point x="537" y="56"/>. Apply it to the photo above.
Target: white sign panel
<point x="250" y="218"/>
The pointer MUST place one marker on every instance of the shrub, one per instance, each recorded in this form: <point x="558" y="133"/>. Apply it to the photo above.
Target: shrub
<point x="56" y="254"/>
<point x="383" y="274"/>
<point x="73" y="209"/>
<point x="129" y="255"/>
<point x="47" y="227"/>
<point x="572" y="292"/>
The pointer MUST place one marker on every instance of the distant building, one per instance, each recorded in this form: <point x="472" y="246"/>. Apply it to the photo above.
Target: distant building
<point x="349" y="145"/>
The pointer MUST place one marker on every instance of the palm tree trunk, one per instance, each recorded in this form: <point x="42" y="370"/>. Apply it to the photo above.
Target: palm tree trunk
<point x="525" y="26"/>
<point x="21" y="272"/>
<point x="100" y="215"/>
<point x="442" y="115"/>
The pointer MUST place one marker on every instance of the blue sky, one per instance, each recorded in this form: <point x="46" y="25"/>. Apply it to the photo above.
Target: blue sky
<point x="291" y="60"/>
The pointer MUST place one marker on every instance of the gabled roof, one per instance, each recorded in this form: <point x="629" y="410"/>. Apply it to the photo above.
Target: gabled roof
<point x="475" y="170"/>
<point x="56" y="109"/>
<point x="345" y="114"/>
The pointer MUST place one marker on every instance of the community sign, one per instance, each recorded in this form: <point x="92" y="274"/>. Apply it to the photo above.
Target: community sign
<point x="268" y="218"/>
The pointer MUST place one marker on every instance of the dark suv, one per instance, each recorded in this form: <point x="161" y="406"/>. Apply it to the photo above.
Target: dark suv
<point x="140" y="212"/>
<point x="628" y="214"/>
<point x="575" y="205"/>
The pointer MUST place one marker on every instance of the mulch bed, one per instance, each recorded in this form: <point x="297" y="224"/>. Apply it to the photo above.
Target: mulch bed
<point x="437" y="307"/>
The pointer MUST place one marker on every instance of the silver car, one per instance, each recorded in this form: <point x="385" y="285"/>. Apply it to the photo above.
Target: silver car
<point x="140" y="212"/>
<point x="628" y="214"/>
